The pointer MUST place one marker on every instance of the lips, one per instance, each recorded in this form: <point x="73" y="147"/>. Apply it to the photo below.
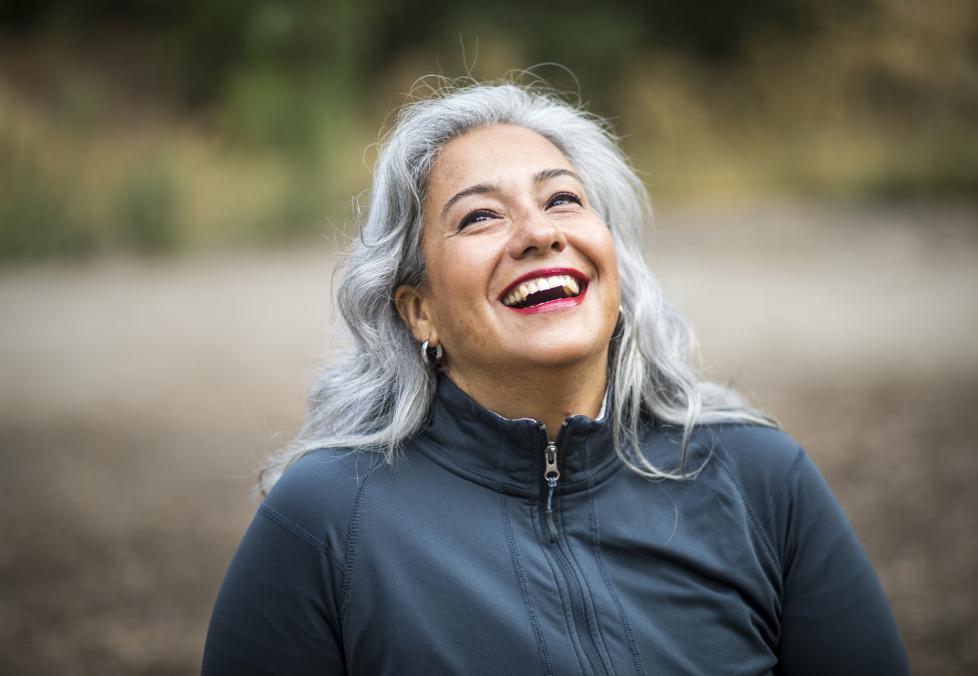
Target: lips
<point x="541" y="289"/>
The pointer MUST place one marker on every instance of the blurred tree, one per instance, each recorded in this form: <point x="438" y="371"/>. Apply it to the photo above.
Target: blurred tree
<point x="275" y="99"/>
<point x="206" y="43"/>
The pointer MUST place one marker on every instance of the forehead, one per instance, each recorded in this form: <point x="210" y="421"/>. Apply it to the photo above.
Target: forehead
<point x="494" y="154"/>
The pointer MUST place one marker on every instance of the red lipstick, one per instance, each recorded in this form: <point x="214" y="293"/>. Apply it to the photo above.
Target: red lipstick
<point x="556" y="303"/>
<point x="547" y="272"/>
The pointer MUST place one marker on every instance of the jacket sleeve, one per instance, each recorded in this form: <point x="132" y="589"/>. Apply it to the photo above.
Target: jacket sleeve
<point x="276" y="610"/>
<point x="835" y="617"/>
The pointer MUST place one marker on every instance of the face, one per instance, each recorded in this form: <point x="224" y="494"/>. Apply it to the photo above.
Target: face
<point x="521" y="272"/>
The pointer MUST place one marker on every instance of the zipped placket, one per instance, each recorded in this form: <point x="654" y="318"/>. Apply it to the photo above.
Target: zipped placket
<point x="551" y="475"/>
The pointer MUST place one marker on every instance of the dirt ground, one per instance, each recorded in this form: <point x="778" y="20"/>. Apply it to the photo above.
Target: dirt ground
<point x="137" y="397"/>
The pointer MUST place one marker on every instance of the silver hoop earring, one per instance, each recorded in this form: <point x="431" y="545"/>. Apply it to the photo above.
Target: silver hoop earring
<point x="426" y="356"/>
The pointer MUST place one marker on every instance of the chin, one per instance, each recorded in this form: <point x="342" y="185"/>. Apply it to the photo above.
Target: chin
<point x="560" y="355"/>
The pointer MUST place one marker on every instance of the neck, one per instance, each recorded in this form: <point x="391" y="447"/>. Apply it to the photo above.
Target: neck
<point x="548" y="394"/>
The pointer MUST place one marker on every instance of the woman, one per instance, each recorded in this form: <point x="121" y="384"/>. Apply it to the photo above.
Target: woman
<point x="515" y="470"/>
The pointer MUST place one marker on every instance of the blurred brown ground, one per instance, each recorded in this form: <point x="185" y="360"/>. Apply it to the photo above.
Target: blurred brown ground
<point x="137" y="397"/>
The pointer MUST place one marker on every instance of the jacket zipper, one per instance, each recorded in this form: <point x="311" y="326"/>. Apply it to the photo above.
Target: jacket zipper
<point x="551" y="475"/>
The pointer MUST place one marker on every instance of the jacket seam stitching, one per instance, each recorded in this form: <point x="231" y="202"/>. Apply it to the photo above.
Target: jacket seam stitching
<point x="523" y="583"/>
<point x="301" y="533"/>
<point x="608" y="583"/>
<point x="799" y="455"/>
<point x="524" y="586"/>
<point x="469" y="475"/>
<point x="751" y="516"/>
<point x="560" y="585"/>
<point x="352" y="535"/>
<point x="592" y="625"/>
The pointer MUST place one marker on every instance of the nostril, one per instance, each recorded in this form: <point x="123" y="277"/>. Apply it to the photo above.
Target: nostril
<point x="536" y="235"/>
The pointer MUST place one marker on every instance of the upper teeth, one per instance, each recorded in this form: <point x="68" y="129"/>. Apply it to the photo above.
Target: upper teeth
<point x="519" y="294"/>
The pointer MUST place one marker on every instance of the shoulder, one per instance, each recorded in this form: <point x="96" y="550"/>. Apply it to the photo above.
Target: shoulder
<point x="317" y="496"/>
<point x="757" y="461"/>
<point x="751" y="452"/>
<point x="761" y="463"/>
<point x="780" y="484"/>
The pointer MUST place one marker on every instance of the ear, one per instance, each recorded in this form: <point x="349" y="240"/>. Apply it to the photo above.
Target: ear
<point x="413" y="307"/>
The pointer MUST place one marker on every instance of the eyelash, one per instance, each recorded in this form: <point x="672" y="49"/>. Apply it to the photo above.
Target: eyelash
<point x="471" y="217"/>
<point x="565" y="195"/>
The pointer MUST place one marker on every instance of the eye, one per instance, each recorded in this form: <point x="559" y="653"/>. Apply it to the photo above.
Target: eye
<point x="562" y="199"/>
<point x="477" y="216"/>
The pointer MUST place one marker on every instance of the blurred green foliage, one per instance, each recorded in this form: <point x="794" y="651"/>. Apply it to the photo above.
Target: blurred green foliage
<point x="147" y="211"/>
<point x="36" y="220"/>
<point x="206" y="44"/>
<point x="160" y="126"/>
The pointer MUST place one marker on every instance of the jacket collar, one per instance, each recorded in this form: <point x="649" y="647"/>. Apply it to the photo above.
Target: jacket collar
<point x="508" y="454"/>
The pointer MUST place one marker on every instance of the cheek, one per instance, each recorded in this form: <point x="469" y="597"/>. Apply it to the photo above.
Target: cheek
<point x="458" y="287"/>
<point x="609" y="256"/>
<point x="606" y="254"/>
<point x="615" y="274"/>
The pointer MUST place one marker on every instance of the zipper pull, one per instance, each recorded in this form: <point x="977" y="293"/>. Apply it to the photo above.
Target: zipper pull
<point x="550" y="473"/>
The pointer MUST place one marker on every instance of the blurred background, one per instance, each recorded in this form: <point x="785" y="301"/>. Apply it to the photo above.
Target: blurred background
<point x="177" y="180"/>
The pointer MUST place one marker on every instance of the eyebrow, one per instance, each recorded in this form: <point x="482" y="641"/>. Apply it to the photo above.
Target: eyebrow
<point x="483" y="188"/>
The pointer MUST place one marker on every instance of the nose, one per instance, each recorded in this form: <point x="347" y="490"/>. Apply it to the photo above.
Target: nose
<point x="535" y="234"/>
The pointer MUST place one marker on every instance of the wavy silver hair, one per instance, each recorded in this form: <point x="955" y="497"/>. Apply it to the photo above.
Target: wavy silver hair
<point x="380" y="394"/>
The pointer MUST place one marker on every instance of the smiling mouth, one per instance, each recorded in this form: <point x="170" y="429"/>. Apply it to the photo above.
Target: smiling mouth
<point x="540" y="290"/>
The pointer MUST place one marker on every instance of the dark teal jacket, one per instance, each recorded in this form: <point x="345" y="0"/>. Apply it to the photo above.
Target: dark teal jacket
<point x="449" y="562"/>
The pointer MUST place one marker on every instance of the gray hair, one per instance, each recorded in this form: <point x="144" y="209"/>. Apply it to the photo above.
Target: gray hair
<point x="380" y="394"/>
